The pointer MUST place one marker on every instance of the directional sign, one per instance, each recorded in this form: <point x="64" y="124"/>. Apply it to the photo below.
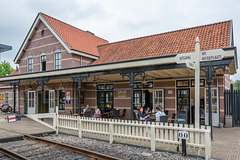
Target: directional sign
<point x="213" y="55"/>
<point x="190" y="64"/>
<point x="210" y="55"/>
<point x="182" y="58"/>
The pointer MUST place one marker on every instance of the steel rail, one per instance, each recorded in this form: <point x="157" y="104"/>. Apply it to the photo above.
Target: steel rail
<point x="12" y="154"/>
<point x="72" y="148"/>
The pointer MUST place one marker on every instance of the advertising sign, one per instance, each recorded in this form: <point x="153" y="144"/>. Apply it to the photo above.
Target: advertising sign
<point x="121" y="93"/>
<point x="1" y="97"/>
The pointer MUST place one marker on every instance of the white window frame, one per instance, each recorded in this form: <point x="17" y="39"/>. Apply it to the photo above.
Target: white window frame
<point x="163" y="99"/>
<point x="28" y="64"/>
<point x="60" y="60"/>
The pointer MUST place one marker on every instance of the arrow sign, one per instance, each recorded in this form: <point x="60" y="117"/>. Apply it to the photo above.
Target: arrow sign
<point x="181" y="58"/>
<point x="190" y="64"/>
<point x="213" y="55"/>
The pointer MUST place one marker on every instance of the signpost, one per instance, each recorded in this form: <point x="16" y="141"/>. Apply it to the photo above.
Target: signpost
<point x="183" y="135"/>
<point x="192" y="60"/>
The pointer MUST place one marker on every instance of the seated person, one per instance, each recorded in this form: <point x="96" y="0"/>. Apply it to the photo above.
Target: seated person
<point x="97" y="112"/>
<point x="141" y="115"/>
<point x="88" y="109"/>
<point x="159" y="113"/>
<point x="107" y="109"/>
<point x="148" y="110"/>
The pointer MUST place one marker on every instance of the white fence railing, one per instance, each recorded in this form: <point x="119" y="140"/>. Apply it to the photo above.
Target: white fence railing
<point x="153" y="133"/>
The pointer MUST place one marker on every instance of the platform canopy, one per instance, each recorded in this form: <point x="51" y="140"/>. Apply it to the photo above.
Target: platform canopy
<point x="4" y="48"/>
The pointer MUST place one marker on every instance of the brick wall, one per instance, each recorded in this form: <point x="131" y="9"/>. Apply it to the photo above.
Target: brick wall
<point x="48" y="45"/>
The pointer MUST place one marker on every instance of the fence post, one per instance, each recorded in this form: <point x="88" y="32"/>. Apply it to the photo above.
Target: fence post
<point x="153" y="147"/>
<point x="79" y="121"/>
<point x="111" y="132"/>
<point x="207" y="144"/>
<point x="57" y="120"/>
<point x="54" y="121"/>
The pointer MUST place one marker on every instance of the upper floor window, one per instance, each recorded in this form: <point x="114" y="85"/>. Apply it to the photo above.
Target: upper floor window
<point x="30" y="65"/>
<point x="6" y="98"/>
<point x="43" y="63"/>
<point x="58" y="60"/>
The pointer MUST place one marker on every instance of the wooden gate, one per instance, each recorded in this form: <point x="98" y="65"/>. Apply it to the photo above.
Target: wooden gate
<point x="232" y="105"/>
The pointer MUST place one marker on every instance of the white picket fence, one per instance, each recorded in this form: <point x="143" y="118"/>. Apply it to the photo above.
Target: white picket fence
<point x="154" y="133"/>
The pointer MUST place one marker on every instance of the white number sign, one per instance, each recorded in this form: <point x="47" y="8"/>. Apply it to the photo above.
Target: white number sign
<point x="182" y="135"/>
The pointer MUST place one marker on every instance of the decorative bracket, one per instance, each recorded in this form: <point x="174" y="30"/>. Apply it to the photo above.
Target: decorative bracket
<point x="209" y="71"/>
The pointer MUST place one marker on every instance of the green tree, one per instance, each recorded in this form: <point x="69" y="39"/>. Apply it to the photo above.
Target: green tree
<point x="236" y="84"/>
<point x="5" y="68"/>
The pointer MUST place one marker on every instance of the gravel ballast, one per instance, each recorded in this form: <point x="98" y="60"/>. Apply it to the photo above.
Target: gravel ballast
<point x="122" y="151"/>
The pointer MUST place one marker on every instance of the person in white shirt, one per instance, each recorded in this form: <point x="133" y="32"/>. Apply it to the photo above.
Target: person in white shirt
<point x="159" y="113"/>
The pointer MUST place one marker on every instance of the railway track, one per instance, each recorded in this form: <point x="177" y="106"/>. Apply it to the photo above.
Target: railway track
<point x="32" y="147"/>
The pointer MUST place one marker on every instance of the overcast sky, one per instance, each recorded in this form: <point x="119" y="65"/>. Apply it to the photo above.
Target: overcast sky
<point x="115" y="20"/>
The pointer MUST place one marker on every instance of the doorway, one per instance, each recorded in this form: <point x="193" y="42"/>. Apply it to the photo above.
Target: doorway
<point x="215" y="107"/>
<point x="183" y="102"/>
<point x="25" y="102"/>
<point x="45" y="102"/>
<point x="31" y="102"/>
<point x="105" y="98"/>
<point x="158" y="99"/>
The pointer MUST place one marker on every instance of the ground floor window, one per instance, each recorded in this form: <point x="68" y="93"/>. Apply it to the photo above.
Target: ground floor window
<point x="137" y="99"/>
<point x="61" y="99"/>
<point x="6" y="98"/>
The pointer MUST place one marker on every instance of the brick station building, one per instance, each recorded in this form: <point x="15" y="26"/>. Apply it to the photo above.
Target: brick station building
<point x="61" y="65"/>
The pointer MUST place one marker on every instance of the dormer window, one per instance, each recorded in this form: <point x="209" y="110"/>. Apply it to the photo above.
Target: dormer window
<point x="58" y="60"/>
<point x="30" y="65"/>
<point x="43" y="63"/>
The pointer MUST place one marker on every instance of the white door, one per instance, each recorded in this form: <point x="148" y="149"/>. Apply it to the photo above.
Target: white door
<point x="31" y="102"/>
<point x="158" y="98"/>
<point x="215" y="107"/>
<point x="51" y="101"/>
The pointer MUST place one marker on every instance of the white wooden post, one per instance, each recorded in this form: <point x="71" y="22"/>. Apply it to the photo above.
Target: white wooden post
<point x="153" y="147"/>
<point x="207" y="145"/>
<point x="79" y="122"/>
<point x="197" y="82"/>
<point x="57" y="120"/>
<point x="111" y="132"/>
<point x="54" y="121"/>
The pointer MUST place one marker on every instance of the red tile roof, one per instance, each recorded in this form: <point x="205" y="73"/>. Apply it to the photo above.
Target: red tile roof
<point x="211" y="36"/>
<point x="15" y="72"/>
<point x="76" y="39"/>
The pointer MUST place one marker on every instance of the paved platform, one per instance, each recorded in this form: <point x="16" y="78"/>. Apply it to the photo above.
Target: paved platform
<point x="226" y="143"/>
<point x="24" y="126"/>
